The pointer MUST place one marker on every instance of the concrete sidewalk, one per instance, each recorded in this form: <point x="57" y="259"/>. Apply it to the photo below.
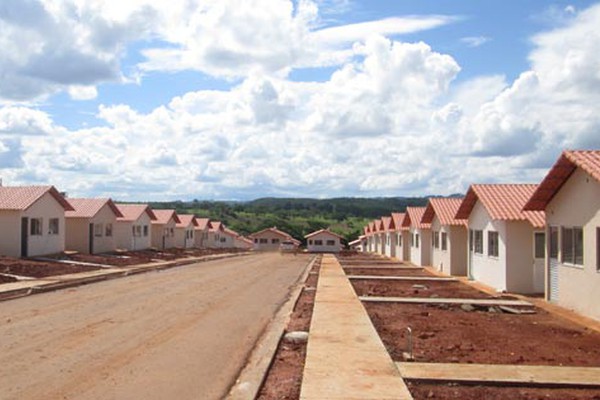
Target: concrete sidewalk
<point x="30" y="286"/>
<point x="346" y="359"/>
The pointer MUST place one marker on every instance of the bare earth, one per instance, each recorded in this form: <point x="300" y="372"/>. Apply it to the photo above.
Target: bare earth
<point x="182" y="333"/>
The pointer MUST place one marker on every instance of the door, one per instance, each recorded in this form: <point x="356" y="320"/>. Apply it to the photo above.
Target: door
<point x="91" y="239"/>
<point x="24" y="236"/>
<point x="553" y="264"/>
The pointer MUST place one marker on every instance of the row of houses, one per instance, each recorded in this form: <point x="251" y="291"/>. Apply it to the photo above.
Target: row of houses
<point x="521" y="238"/>
<point x="39" y="220"/>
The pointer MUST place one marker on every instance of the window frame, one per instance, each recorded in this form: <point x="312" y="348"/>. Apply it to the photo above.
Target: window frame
<point x="98" y="230"/>
<point x="36" y="226"/>
<point x="493" y="245"/>
<point x="330" y="242"/>
<point x="108" y="230"/>
<point x="53" y="226"/>
<point x="539" y="239"/>
<point x="444" y="241"/>
<point x="478" y="241"/>
<point x="572" y="252"/>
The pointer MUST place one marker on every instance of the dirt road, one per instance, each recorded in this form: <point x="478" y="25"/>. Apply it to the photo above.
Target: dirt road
<point x="182" y="333"/>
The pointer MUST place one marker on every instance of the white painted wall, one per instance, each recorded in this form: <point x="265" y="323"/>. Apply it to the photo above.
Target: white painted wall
<point x="125" y="238"/>
<point x="452" y="261"/>
<point x="269" y="246"/>
<point x="163" y="230"/>
<point x="420" y="255"/>
<point x="312" y="247"/>
<point x="77" y="232"/>
<point x="578" y="204"/>
<point x="181" y="236"/>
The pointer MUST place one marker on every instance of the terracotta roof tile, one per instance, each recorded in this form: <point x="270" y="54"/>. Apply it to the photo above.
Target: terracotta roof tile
<point x="203" y="223"/>
<point x="569" y="160"/>
<point x="387" y="224"/>
<point x="164" y="216"/>
<point x="231" y="232"/>
<point x="131" y="212"/>
<point x="88" y="208"/>
<point x="216" y="226"/>
<point x="445" y="209"/>
<point x="185" y="220"/>
<point x="412" y="218"/>
<point x="502" y="202"/>
<point x="397" y="219"/>
<point x="322" y="231"/>
<point x="274" y="230"/>
<point x="20" y="198"/>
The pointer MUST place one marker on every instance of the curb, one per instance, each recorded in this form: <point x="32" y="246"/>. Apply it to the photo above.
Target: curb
<point x="73" y="282"/>
<point x="253" y="374"/>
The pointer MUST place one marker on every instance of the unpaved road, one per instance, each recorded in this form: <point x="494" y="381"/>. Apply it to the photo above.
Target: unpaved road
<point x="182" y="333"/>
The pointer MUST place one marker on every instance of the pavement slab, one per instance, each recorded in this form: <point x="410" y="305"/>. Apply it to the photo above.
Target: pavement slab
<point x="346" y="359"/>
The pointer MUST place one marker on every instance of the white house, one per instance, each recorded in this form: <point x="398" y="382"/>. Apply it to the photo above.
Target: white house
<point x="448" y="235"/>
<point x="32" y="221"/>
<point x="185" y="230"/>
<point x="215" y="231"/>
<point x="502" y="237"/>
<point x="323" y="241"/>
<point x="133" y="231"/>
<point x="201" y="232"/>
<point x="242" y="242"/>
<point x="401" y="240"/>
<point x="228" y="238"/>
<point x="388" y="236"/>
<point x="163" y="229"/>
<point x="570" y="197"/>
<point x="419" y="236"/>
<point x="359" y="244"/>
<point x="90" y="226"/>
<point x="270" y="239"/>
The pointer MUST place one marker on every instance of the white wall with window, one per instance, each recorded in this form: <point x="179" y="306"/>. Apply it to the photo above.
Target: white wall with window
<point x="573" y="216"/>
<point x="134" y="235"/>
<point x="420" y="249"/>
<point x="450" y="255"/>
<point x="323" y="242"/>
<point x="49" y="227"/>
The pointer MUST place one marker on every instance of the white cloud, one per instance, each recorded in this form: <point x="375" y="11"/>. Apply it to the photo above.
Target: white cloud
<point x="78" y="92"/>
<point x="475" y="41"/>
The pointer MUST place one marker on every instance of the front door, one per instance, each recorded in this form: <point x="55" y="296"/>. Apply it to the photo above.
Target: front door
<point x="91" y="239"/>
<point x="24" y="236"/>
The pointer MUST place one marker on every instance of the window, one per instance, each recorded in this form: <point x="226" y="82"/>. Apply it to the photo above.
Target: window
<point x="264" y="241"/>
<point x="572" y="246"/>
<point x="318" y="243"/>
<point x="553" y="242"/>
<point x="53" y="225"/>
<point x="108" y="231"/>
<point x="540" y="245"/>
<point x="444" y="241"/>
<point x="35" y="227"/>
<point x="435" y="239"/>
<point x="310" y="242"/>
<point x="172" y="231"/>
<point x="417" y="240"/>
<point x="223" y="240"/>
<point x="146" y="230"/>
<point x="492" y="243"/>
<point x="255" y="240"/>
<point x="274" y="241"/>
<point x="137" y="230"/>
<point x="399" y="239"/>
<point x="98" y="228"/>
<point x="478" y="242"/>
<point x="331" y="243"/>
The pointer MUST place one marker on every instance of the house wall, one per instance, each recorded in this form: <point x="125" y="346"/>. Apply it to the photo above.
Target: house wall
<point x="103" y="243"/>
<point x="77" y="234"/>
<point x="46" y="207"/>
<point x="390" y="244"/>
<point x="214" y="239"/>
<point x="200" y="238"/>
<point x="227" y="241"/>
<point x="324" y="236"/>
<point x="578" y="204"/>
<point x="483" y="268"/>
<point x="440" y="259"/>
<point x="163" y="230"/>
<point x="10" y="233"/>
<point x="270" y="246"/>
<point x="181" y="238"/>
<point x="124" y="234"/>
<point x="519" y="260"/>
<point x="421" y="255"/>
<point x="458" y="246"/>
<point x="403" y="246"/>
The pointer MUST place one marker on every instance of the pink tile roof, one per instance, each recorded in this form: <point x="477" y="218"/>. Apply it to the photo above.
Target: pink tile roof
<point x="412" y="218"/>
<point x="88" y="208"/>
<point x="387" y="224"/>
<point x="502" y="202"/>
<point x="20" y="198"/>
<point x="185" y="220"/>
<point x="131" y="212"/>
<point x="231" y="232"/>
<point x="216" y="226"/>
<point x="569" y="160"/>
<point x="322" y="231"/>
<point x="397" y="218"/>
<point x="203" y="223"/>
<point x="274" y="230"/>
<point x="445" y="209"/>
<point x="164" y="216"/>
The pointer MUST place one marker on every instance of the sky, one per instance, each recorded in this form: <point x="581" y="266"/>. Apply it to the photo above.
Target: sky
<point x="241" y="99"/>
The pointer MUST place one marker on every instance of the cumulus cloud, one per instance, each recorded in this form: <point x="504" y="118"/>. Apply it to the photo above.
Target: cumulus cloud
<point x="475" y="41"/>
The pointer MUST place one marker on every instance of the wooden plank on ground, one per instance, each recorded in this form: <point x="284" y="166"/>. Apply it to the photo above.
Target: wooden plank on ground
<point x="403" y="278"/>
<point x="437" y="300"/>
<point x="371" y="266"/>
<point x="486" y="373"/>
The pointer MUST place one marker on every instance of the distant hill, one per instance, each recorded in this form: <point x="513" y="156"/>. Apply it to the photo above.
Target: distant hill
<point x="297" y="216"/>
